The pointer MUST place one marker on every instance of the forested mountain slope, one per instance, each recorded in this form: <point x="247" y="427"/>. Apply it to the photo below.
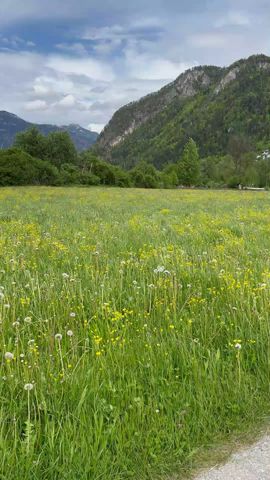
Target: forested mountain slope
<point x="209" y="104"/>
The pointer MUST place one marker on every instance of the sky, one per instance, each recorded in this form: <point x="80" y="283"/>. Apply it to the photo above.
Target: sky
<point x="78" y="61"/>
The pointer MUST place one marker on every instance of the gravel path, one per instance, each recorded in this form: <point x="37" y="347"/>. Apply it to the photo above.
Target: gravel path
<point x="253" y="463"/>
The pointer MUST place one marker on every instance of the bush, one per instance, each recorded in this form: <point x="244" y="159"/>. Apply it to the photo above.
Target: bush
<point x="144" y="175"/>
<point x="20" y="168"/>
<point x="69" y="174"/>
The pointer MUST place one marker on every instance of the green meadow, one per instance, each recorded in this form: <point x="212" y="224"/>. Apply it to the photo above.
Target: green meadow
<point x="135" y="328"/>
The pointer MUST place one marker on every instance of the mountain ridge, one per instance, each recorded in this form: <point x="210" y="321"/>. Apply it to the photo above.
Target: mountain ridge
<point x="11" y="124"/>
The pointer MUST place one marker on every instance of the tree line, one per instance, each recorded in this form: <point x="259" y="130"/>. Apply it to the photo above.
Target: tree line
<point x="36" y="159"/>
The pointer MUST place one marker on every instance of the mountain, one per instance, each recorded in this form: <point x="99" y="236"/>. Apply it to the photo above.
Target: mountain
<point x="10" y="125"/>
<point x="209" y="104"/>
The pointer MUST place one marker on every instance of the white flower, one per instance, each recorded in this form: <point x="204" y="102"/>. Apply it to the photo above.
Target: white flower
<point x="159" y="269"/>
<point x="9" y="356"/>
<point x="28" y="320"/>
<point x="70" y="333"/>
<point x="28" y="387"/>
<point x="65" y="275"/>
<point x="72" y="314"/>
<point x="58" y="336"/>
<point x="16" y="324"/>
<point x="238" y="346"/>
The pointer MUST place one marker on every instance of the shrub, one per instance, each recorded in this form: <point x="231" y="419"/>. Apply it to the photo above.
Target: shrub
<point x="20" y="168"/>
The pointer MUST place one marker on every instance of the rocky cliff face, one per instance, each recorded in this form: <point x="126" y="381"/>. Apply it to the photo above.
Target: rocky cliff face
<point x="129" y="118"/>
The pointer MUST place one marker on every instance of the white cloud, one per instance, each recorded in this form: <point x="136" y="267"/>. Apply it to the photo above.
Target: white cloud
<point x="146" y="68"/>
<point x="67" y="102"/>
<point x="35" y="105"/>
<point x="96" y="127"/>
<point x="232" y="18"/>
<point x="89" y="67"/>
<point x="210" y="40"/>
<point x="48" y="86"/>
<point x="76" y="48"/>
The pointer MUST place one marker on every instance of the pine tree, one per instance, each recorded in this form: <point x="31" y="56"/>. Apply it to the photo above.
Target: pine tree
<point x="189" y="165"/>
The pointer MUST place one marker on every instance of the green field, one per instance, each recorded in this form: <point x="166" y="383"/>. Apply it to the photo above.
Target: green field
<point x="140" y="319"/>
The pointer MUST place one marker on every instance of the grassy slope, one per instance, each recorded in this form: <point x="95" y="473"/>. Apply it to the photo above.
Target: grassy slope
<point x="152" y="372"/>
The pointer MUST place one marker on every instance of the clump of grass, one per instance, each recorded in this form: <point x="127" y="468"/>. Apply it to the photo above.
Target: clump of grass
<point x="134" y="328"/>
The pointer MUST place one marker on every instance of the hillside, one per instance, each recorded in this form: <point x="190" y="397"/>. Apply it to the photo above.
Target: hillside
<point x="10" y="125"/>
<point x="209" y="104"/>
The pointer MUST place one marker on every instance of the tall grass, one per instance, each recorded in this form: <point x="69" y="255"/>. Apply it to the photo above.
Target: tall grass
<point x="140" y="318"/>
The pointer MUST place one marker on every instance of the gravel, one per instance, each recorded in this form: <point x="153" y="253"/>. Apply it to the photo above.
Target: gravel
<point x="253" y="463"/>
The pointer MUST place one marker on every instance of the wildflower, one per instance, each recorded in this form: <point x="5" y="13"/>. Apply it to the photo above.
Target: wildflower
<point x="70" y="333"/>
<point x="58" y="337"/>
<point x="9" y="356"/>
<point x="28" y="320"/>
<point x="238" y="346"/>
<point x="159" y="269"/>
<point x="65" y="275"/>
<point x="28" y="387"/>
<point x="72" y="314"/>
<point x="16" y="324"/>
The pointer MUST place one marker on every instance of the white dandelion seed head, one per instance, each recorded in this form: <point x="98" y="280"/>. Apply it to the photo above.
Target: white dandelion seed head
<point x="65" y="275"/>
<point x="238" y="346"/>
<point x="28" y="387"/>
<point x="28" y="320"/>
<point x="58" y="336"/>
<point x="16" y="324"/>
<point x="9" y="356"/>
<point x="72" y="314"/>
<point x="70" y="333"/>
